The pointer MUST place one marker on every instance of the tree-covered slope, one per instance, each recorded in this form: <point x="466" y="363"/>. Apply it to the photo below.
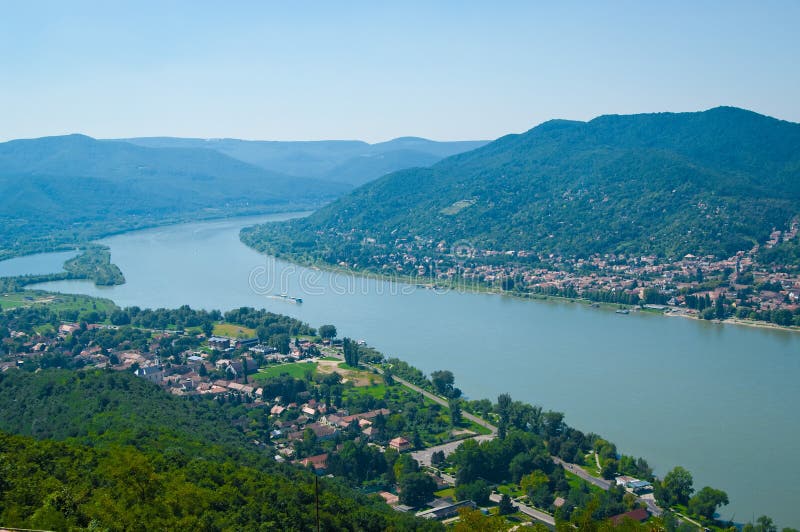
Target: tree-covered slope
<point x="64" y="189"/>
<point x="128" y="456"/>
<point x="712" y="182"/>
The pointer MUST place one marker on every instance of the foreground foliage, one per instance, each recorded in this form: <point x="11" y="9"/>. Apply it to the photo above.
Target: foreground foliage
<point x="136" y="458"/>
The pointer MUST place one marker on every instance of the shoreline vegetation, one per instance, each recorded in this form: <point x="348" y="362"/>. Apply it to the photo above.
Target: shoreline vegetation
<point x="111" y="272"/>
<point x="93" y="263"/>
<point x="462" y="285"/>
<point x="524" y="449"/>
<point x="129" y="226"/>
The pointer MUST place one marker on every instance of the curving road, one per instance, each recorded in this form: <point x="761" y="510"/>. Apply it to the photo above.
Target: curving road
<point x="577" y="470"/>
<point x="527" y="510"/>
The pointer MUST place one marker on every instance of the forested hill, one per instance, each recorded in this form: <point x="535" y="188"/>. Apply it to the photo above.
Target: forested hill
<point x="65" y="189"/>
<point x="668" y="184"/>
<point x="343" y="161"/>
<point x="122" y="454"/>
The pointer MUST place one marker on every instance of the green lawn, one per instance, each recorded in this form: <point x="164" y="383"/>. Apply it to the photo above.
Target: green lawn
<point x="447" y="492"/>
<point x="576" y="482"/>
<point x="512" y="490"/>
<point x="14" y="300"/>
<point x="233" y="331"/>
<point x="376" y="390"/>
<point x="294" y="369"/>
<point x="57" y="302"/>
<point x="590" y="465"/>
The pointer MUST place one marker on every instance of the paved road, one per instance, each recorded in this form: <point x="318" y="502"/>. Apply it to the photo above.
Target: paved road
<point x="572" y="468"/>
<point x="605" y="484"/>
<point x="424" y="457"/>
<point x="527" y="510"/>
<point x="443" y="402"/>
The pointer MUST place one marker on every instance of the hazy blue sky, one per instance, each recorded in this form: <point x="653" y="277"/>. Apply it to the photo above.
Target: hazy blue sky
<point x="373" y="71"/>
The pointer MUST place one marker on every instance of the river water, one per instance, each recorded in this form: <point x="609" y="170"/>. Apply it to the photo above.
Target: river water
<point x="721" y="400"/>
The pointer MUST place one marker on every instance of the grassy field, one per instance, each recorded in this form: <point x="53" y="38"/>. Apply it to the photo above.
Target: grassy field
<point x="376" y="390"/>
<point x="590" y="465"/>
<point x="294" y="369"/>
<point x="358" y="376"/>
<point x="576" y="482"/>
<point x="57" y="302"/>
<point x="512" y="490"/>
<point x="233" y="331"/>
<point x="15" y="300"/>
<point x="447" y="492"/>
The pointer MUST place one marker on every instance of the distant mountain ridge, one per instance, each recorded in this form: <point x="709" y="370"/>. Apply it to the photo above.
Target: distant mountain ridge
<point x="713" y="182"/>
<point x="344" y="161"/>
<point x="57" y="190"/>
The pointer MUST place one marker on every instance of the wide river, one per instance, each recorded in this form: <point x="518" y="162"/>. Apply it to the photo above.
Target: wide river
<point x="721" y="400"/>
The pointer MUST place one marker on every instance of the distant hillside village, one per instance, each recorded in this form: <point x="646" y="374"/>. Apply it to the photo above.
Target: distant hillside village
<point x="703" y="286"/>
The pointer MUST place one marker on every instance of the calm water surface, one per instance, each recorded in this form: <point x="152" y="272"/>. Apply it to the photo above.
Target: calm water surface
<point x="720" y="400"/>
<point x="39" y="264"/>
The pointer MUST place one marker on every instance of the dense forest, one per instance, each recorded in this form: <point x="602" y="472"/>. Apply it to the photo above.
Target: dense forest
<point x="707" y="183"/>
<point x="58" y="191"/>
<point x="127" y="456"/>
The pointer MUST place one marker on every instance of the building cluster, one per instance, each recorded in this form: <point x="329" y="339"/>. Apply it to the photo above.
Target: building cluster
<point x="225" y="369"/>
<point x="761" y="287"/>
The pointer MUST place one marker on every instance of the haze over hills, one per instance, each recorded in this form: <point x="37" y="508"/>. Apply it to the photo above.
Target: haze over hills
<point x="668" y="184"/>
<point x="345" y="161"/>
<point x="65" y="189"/>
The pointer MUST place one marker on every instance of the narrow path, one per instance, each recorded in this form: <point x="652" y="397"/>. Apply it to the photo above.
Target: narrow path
<point x="527" y="510"/>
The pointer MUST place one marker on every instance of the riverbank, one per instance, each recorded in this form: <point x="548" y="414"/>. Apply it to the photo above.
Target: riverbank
<point x="681" y="313"/>
<point x="464" y="286"/>
<point x="141" y="225"/>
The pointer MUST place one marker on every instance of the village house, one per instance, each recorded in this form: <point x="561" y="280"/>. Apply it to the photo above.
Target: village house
<point x="154" y="374"/>
<point x="68" y="328"/>
<point x="322" y="432"/>
<point x="400" y="444"/>
<point x="220" y="343"/>
<point x="319" y="463"/>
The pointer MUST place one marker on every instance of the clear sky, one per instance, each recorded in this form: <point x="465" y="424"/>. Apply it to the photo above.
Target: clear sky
<point x="295" y="70"/>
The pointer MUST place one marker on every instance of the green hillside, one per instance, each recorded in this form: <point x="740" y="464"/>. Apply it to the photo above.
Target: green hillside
<point x="121" y="454"/>
<point x="62" y="190"/>
<point x="667" y="184"/>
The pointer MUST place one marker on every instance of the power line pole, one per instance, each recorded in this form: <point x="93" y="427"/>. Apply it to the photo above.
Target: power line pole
<point x="316" y="493"/>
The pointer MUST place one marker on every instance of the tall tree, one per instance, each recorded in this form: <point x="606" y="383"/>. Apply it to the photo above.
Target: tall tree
<point x="416" y="489"/>
<point x="676" y="488"/>
<point x="455" y="411"/>
<point x="706" y="501"/>
<point x="442" y="381"/>
<point x="326" y="332"/>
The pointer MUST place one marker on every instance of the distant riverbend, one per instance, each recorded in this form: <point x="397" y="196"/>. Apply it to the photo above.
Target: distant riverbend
<point x="717" y="399"/>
